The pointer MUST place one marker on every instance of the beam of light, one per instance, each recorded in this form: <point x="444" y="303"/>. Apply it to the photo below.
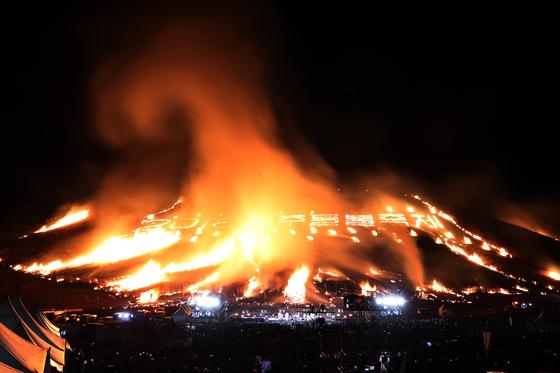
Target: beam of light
<point x="390" y="301"/>
<point x="206" y="301"/>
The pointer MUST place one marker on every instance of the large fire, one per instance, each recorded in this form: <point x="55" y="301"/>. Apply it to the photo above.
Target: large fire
<point x="249" y="212"/>
<point x="251" y="252"/>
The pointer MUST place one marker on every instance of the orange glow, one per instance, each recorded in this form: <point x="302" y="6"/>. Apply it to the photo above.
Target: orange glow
<point x="116" y="249"/>
<point x="75" y="215"/>
<point x="251" y="287"/>
<point x="149" y="296"/>
<point x="440" y="288"/>
<point x="553" y="275"/>
<point x="296" y="288"/>
<point x="250" y="242"/>
<point x="367" y="289"/>
<point x="150" y="274"/>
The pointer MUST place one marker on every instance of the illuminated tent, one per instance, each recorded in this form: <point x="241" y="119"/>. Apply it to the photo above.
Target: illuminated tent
<point x="17" y="318"/>
<point x="47" y="324"/>
<point x="19" y="355"/>
<point x="182" y="314"/>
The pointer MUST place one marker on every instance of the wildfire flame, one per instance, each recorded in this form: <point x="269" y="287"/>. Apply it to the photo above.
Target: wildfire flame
<point x="553" y="275"/>
<point x="149" y="296"/>
<point x="296" y="288"/>
<point x="242" y="215"/>
<point x="75" y="215"/>
<point x="251" y="287"/>
<point x="367" y="288"/>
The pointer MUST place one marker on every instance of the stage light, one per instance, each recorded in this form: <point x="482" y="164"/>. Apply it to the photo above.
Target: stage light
<point x="390" y="301"/>
<point x="207" y="301"/>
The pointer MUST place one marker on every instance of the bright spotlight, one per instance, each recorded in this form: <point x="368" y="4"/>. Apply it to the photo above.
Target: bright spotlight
<point x="390" y="301"/>
<point x="124" y="315"/>
<point x="207" y="301"/>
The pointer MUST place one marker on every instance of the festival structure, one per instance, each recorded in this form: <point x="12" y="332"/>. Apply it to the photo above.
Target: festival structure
<point x="26" y="341"/>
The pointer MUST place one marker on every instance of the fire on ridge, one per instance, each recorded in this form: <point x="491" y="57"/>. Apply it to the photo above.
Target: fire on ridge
<point x="241" y="254"/>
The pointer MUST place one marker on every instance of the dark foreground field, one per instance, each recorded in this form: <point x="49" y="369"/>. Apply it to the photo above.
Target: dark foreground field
<point x="526" y="343"/>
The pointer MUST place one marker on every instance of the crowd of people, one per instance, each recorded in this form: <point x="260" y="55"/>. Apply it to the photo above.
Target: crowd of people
<point x="391" y="344"/>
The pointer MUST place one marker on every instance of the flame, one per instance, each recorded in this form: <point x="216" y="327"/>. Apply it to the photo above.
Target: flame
<point x="244" y="181"/>
<point x="252" y="244"/>
<point x="44" y="269"/>
<point x="150" y="274"/>
<point x="207" y="281"/>
<point x="440" y="288"/>
<point x="75" y="215"/>
<point x="367" y="289"/>
<point x="553" y="275"/>
<point x="251" y="287"/>
<point x="295" y="290"/>
<point x="149" y="296"/>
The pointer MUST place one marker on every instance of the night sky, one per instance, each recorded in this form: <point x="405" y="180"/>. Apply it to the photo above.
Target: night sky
<point x="460" y="99"/>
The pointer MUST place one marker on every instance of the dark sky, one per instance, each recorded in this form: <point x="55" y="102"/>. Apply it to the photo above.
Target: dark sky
<point x="451" y="96"/>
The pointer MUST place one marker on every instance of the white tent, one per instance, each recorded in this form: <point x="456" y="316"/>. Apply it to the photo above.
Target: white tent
<point x="182" y="314"/>
<point x="17" y="318"/>
<point x="19" y="355"/>
<point x="46" y="323"/>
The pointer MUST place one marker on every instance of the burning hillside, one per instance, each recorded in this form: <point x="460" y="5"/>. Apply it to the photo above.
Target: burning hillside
<point x="252" y="215"/>
<point x="202" y="253"/>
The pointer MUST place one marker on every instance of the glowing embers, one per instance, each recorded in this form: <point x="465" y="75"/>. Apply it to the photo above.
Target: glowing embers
<point x="426" y="221"/>
<point x="363" y="220"/>
<point x="296" y="288"/>
<point x="324" y="220"/>
<point x="290" y="219"/>
<point x="392" y="218"/>
<point x="75" y="215"/>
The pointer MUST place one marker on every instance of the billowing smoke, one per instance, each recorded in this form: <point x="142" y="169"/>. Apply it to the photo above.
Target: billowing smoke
<point x="187" y="113"/>
<point x="197" y="90"/>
